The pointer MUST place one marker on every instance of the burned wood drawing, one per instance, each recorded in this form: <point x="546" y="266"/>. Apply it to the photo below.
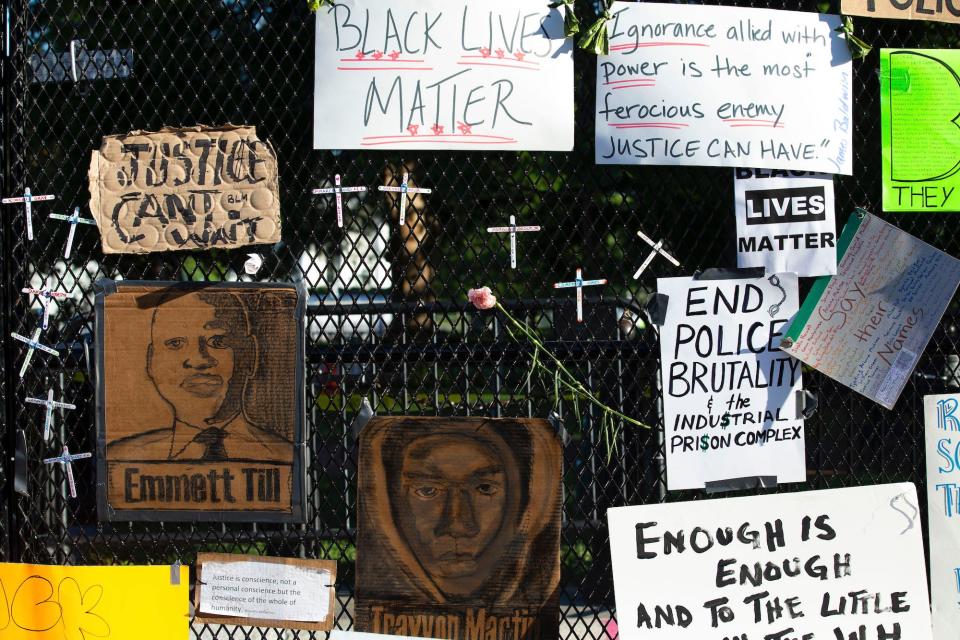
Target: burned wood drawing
<point x="459" y="528"/>
<point x="199" y="408"/>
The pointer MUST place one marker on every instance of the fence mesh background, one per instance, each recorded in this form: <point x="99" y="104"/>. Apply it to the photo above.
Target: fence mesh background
<point x="388" y="319"/>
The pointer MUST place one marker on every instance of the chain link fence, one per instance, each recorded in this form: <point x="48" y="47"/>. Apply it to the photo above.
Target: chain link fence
<point x="387" y="317"/>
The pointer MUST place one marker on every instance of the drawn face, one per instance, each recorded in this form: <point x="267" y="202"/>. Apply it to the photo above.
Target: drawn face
<point x="454" y="491"/>
<point x="192" y="359"/>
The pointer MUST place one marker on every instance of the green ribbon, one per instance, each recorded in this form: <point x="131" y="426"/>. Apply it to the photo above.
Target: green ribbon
<point x="595" y="38"/>
<point x="858" y="48"/>
<point x="571" y="24"/>
<point x="314" y="5"/>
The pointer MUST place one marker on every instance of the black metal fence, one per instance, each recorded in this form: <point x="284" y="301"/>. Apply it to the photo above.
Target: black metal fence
<point x="388" y="318"/>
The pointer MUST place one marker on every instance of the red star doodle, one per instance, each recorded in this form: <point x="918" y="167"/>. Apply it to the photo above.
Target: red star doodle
<point x="464" y="128"/>
<point x="361" y="55"/>
<point x="519" y="55"/>
<point x="413" y="129"/>
<point x="485" y="53"/>
<point x="437" y="129"/>
<point x="500" y="53"/>
<point x="377" y="55"/>
<point x="394" y="55"/>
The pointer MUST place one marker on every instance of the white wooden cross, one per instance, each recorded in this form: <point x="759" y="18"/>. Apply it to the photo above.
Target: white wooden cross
<point x="657" y="249"/>
<point x="73" y="219"/>
<point x="579" y="283"/>
<point x="513" y="229"/>
<point x="34" y="344"/>
<point x="338" y="192"/>
<point x="46" y="297"/>
<point x="27" y="198"/>
<point x="67" y="459"/>
<point x="50" y="404"/>
<point x="403" y="190"/>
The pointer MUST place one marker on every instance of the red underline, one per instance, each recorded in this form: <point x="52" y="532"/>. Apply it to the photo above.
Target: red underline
<point x="749" y="120"/>
<point x="495" y="64"/>
<point x="640" y="45"/>
<point x="456" y="140"/>
<point x="638" y="84"/>
<point x="495" y="58"/>
<point x="385" y="68"/>
<point x="640" y="125"/>
<point x="630" y="80"/>
<point x="377" y="60"/>
<point x="769" y="126"/>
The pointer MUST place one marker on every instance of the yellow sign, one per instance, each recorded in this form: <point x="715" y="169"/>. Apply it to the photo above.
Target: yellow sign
<point x="40" y="602"/>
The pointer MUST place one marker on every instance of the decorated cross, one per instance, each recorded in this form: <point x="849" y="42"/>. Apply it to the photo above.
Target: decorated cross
<point x="50" y="404"/>
<point x="33" y="344"/>
<point x="67" y="459"/>
<point x="46" y="296"/>
<point x="403" y="190"/>
<point x="74" y="219"/>
<point x="513" y="229"/>
<point x="26" y="199"/>
<point x="579" y="283"/>
<point x="657" y="249"/>
<point x="338" y="192"/>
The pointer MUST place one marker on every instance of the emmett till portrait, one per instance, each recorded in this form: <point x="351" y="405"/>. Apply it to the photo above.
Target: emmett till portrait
<point x="210" y="420"/>
<point x="459" y="526"/>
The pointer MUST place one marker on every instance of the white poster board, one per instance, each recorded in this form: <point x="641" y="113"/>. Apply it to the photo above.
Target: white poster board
<point x="433" y="74"/>
<point x="265" y="590"/>
<point x="785" y="221"/>
<point x="688" y="84"/>
<point x="942" y="426"/>
<point x="730" y="405"/>
<point x="818" y="565"/>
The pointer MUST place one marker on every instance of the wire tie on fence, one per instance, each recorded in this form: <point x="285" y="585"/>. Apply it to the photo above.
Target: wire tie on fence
<point x="175" y="573"/>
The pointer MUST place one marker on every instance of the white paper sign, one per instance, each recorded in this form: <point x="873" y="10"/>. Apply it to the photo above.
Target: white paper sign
<point x="785" y="221"/>
<point x="841" y="564"/>
<point x="729" y="393"/>
<point x="434" y="74"/>
<point x="688" y="84"/>
<point x="264" y="590"/>
<point x="942" y="422"/>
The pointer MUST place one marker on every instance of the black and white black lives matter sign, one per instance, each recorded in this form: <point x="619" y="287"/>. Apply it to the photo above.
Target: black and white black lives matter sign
<point x="841" y="564"/>
<point x="729" y="393"/>
<point x="785" y="221"/>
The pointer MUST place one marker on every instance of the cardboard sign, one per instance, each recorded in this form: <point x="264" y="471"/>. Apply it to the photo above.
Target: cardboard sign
<point x="938" y="10"/>
<point x="919" y="94"/>
<point x="458" y="532"/>
<point x="837" y="564"/>
<point x="867" y="326"/>
<point x="785" y="221"/>
<point x="200" y="401"/>
<point x="724" y="86"/>
<point x="39" y="602"/>
<point x="259" y="591"/>
<point x="729" y="394"/>
<point x="470" y="75"/>
<point x="178" y="189"/>
<point x="942" y="426"/>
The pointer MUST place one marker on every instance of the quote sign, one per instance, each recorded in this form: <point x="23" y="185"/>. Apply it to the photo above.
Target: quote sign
<point x="291" y="593"/>
<point x="729" y="393"/>
<point x="785" y="221"/>
<point x="180" y="189"/>
<point x="470" y="75"/>
<point x="942" y="427"/>
<point x="724" y="86"/>
<point x="841" y="564"/>
<point x="919" y="94"/>
<point x="43" y="602"/>
<point x="936" y="10"/>
<point x="867" y="326"/>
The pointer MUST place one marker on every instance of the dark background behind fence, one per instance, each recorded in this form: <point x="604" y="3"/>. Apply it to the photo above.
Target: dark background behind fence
<point x="388" y="318"/>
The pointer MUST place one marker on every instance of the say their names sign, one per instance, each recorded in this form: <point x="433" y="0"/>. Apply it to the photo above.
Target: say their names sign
<point x="469" y="75"/>
<point x="729" y="393"/>
<point x="942" y="429"/>
<point x="785" y="221"/>
<point x="840" y="564"/>
<point x="724" y="86"/>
